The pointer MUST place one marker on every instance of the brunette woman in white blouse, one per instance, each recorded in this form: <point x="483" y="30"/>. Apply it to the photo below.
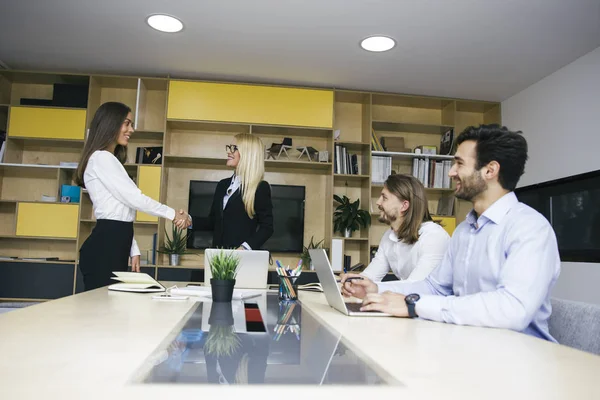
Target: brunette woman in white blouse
<point x="115" y="198"/>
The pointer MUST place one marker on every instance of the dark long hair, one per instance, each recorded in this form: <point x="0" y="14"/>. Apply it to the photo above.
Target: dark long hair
<point x="104" y="131"/>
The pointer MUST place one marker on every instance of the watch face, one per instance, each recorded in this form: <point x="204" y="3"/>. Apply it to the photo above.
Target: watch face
<point x="412" y="298"/>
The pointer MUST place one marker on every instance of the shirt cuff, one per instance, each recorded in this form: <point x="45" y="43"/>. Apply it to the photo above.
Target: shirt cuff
<point x="170" y="214"/>
<point x="135" y="250"/>
<point x="384" y="287"/>
<point x="190" y="219"/>
<point x="246" y="246"/>
<point x="431" y="307"/>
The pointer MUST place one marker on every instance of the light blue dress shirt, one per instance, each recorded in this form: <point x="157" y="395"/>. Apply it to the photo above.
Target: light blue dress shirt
<point x="498" y="272"/>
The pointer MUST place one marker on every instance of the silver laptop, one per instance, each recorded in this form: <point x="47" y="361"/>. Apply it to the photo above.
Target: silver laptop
<point x="252" y="272"/>
<point x="331" y="289"/>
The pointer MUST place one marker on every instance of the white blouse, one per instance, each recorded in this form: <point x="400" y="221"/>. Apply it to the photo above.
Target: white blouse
<point x="410" y="262"/>
<point x="115" y="196"/>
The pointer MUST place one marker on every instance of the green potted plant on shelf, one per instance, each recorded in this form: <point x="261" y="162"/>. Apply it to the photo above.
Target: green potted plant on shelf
<point x="348" y="217"/>
<point x="175" y="245"/>
<point x="305" y="256"/>
<point x="223" y="267"/>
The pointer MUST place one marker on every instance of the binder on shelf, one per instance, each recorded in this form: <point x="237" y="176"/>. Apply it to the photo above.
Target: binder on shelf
<point x="347" y="262"/>
<point x="154" y="244"/>
<point x="337" y="254"/>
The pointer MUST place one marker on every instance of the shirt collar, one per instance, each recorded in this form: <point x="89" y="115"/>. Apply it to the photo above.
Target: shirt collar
<point x="497" y="211"/>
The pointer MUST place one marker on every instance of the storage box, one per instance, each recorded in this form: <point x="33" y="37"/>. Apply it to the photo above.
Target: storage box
<point x="72" y="192"/>
<point x="394" y="143"/>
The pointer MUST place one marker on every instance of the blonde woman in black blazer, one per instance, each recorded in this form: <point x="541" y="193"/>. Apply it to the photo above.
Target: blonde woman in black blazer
<point x="241" y="215"/>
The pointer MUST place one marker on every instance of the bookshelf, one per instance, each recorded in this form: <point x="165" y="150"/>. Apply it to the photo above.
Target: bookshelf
<point x="193" y="121"/>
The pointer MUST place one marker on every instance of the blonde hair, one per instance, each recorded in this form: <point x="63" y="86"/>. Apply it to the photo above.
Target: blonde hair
<point x="251" y="168"/>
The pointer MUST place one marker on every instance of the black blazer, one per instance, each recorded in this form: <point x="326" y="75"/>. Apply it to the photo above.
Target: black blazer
<point x="231" y="227"/>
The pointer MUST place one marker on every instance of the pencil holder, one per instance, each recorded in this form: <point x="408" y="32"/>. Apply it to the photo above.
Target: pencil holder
<point x="288" y="288"/>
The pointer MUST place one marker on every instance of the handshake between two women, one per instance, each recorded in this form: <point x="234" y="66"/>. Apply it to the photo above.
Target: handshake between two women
<point x="182" y="220"/>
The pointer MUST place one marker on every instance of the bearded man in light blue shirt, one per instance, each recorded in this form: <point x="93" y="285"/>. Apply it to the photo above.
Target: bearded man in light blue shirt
<point x="502" y="261"/>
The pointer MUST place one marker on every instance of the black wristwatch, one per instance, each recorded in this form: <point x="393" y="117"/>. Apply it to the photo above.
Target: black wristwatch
<point x="411" y="301"/>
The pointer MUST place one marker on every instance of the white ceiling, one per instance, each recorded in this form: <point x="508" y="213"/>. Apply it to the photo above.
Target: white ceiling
<point x="477" y="49"/>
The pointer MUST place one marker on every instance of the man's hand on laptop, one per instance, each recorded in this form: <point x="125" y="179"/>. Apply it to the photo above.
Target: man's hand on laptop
<point x="357" y="287"/>
<point x="386" y="302"/>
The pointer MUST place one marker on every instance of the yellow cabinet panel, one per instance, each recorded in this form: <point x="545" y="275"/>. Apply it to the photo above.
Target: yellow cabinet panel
<point x="47" y="123"/>
<point x="149" y="184"/>
<point x="204" y="101"/>
<point x="448" y="223"/>
<point x="47" y="220"/>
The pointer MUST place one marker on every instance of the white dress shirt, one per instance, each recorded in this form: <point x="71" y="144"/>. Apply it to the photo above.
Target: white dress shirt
<point x="410" y="262"/>
<point x="115" y="196"/>
<point x="498" y="272"/>
<point x="233" y="186"/>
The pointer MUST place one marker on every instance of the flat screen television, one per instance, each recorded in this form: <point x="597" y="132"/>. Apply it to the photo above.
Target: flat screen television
<point x="571" y="206"/>
<point x="288" y="216"/>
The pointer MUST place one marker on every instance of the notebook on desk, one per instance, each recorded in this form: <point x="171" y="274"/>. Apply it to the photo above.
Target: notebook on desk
<point x="135" y="282"/>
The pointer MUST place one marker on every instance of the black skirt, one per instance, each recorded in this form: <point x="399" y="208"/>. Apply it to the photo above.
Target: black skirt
<point x="105" y="250"/>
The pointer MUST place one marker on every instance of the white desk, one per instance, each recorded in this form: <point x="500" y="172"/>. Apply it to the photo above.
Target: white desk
<point x="92" y="343"/>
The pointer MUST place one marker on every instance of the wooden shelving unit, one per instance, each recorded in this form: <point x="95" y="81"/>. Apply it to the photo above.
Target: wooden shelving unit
<point x="193" y="144"/>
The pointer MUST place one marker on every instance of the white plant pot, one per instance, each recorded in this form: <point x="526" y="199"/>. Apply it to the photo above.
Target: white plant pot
<point x="174" y="259"/>
<point x="347" y="233"/>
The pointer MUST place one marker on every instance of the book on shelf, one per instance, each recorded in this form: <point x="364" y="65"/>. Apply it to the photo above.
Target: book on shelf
<point x="432" y="173"/>
<point x="381" y="168"/>
<point x="138" y="282"/>
<point x="345" y="163"/>
<point x="375" y="143"/>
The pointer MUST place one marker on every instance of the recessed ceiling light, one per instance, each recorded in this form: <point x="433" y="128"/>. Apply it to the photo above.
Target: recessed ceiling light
<point x="164" y="23"/>
<point x="378" y="43"/>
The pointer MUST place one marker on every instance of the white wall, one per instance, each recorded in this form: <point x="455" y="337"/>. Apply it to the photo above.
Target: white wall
<point x="560" y="118"/>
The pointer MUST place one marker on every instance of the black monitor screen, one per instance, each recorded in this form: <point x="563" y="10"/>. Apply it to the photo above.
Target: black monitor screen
<point x="288" y="216"/>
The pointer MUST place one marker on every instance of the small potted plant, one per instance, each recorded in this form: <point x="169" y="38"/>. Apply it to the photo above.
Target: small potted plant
<point x="305" y="256"/>
<point x="175" y="245"/>
<point x="223" y="267"/>
<point x="348" y="217"/>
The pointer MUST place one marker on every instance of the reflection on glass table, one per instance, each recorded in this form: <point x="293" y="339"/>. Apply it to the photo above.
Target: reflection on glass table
<point x="259" y="341"/>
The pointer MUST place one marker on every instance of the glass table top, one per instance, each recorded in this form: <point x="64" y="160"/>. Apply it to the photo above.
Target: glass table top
<point x="257" y="341"/>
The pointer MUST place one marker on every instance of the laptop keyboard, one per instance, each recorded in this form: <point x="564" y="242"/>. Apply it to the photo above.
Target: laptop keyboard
<point x="355" y="307"/>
